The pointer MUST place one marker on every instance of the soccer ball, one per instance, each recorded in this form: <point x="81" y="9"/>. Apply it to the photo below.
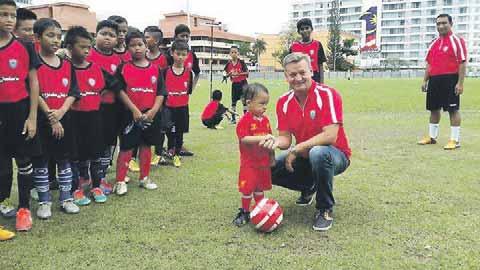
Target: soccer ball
<point x="266" y="215"/>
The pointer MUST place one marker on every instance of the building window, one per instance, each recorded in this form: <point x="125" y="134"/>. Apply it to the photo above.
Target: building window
<point x="463" y="10"/>
<point x="416" y="5"/>
<point x="306" y="14"/>
<point x="447" y="2"/>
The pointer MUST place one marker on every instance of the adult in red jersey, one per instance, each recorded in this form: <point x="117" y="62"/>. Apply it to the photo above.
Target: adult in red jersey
<point x="443" y="81"/>
<point x="312" y="113"/>
<point x="311" y="47"/>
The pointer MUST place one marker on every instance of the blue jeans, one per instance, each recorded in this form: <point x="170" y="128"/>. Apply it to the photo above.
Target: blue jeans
<point x="314" y="174"/>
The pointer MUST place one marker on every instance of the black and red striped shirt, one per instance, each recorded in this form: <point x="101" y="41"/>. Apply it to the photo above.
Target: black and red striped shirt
<point x="160" y="61"/>
<point x="178" y="87"/>
<point x="191" y="61"/>
<point x="239" y="67"/>
<point x="109" y="63"/>
<point x="313" y="49"/>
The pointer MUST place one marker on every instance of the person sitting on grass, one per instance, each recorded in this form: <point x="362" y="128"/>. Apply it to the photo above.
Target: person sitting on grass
<point x="213" y="113"/>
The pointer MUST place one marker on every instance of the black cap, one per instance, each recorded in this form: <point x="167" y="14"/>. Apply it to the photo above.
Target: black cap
<point x="304" y="21"/>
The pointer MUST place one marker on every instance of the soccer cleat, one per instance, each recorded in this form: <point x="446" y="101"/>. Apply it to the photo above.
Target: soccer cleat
<point x="176" y="161"/>
<point x="106" y="187"/>
<point x="242" y="218"/>
<point x="323" y="220"/>
<point x="121" y="188"/>
<point x="147" y="183"/>
<point x="5" y="234"/>
<point x="34" y="194"/>
<point x="133" y="166"/>
<point x="80" y="199"/>
<point x="98" y="195"/>
<point x="44" y="210"/>
<point x="427" y="140"/>
<point x="219" y="127"/>
<point x="155" y="160"/>
<point x="185" y="153"/>
<point x="452" y="145"/>
<point x="6" y="209"/>
<point x="69" y="207"/>
<point x="24" y="220"/>
<point x="304" y="199"/>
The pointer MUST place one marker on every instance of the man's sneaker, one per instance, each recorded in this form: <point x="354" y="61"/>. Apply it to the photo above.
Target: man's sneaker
<point x="185" y="153"/>
<point x="243" y="217"/>
<point x="106" y="187"/>
<point x="24" y="220"/>
<point x="305" y="199"/>
<point x="98" y="195"/>
<point x="323" y="220"/>
<point x="121" y="188"/>
<point x="133" y="166"/>
<point x="69" y="207"/>
<point x="452" y="145"/>
<point x="6" y="209"/>
<point x="5" y="234"/>
<point x="147" y="183"/>
<point x="44" y="210"/>
<point x="80" y="199"/>
<point x="427" y="140"/>
<point x="176" y="161"/>
<point x="34" y="194"/>
<point x="155" y="160"/>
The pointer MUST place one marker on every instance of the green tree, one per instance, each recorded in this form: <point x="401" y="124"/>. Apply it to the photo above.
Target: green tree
<point x="335" y="59"/>
<point x="258" y="47"/>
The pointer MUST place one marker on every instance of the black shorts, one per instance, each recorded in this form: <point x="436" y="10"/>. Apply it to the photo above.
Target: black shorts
<point x="12" y="121"/>
<point x="58" y="149"/>
<point x="441" y="93"/>
<point x="132" y="135"/>
<point x="180" y="119"/>
<point x="88" y="138"/>
<point x="111" y="122"/>
<point x="317" y="76"/>
<point x="237" y="91"/>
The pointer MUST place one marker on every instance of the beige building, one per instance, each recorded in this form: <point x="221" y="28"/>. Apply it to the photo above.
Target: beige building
<point x="67" y="14"/>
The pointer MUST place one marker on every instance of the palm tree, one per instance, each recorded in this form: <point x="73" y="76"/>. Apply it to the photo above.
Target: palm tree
<point x="259" y="47"/>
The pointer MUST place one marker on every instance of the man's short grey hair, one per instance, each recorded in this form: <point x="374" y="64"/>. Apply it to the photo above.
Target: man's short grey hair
<point x="295" y="58"/>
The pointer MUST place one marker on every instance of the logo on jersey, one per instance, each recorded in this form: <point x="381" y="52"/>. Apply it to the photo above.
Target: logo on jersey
<point x="65" y="82"/>
<point x="253" y="126"/>
<point x="445" y="49"/>
<point x="154" y="79"/>
<point x="13" y="63"/>
<point x="312" y="114"/>
<point x="92" y="82"/>
<point x="113" y="67"/>
<point x="312" y="52"/>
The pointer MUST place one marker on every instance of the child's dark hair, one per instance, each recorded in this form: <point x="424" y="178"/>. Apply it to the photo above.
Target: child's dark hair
<point x="43" y="24"/>
<point x="251" y="90"/>
<point x="217" y="95"/>
<point x="179" y="45"/>
<point x="8" y="3"/>
<point x="24" y="14"/>
<point x="134" y="34"/>
<point x="181" y="28"/>
<point x="117" y="19"/>
<point x="107" y="24"/>
<point x="156" y="30"/>
<point x="74" y="33"/>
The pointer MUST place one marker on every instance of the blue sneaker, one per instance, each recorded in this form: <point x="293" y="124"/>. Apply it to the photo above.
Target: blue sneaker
<point x="98" y="195"/>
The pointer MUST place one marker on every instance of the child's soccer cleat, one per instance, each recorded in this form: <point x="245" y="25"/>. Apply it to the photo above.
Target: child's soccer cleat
<point x="5" y="234"/>
<point x="147" y="183"/>
<point x="106" y="187"/>
<point x="243" y="217"/>
<point x="452" y="145"/>
<point x="98" y="195"/>
<point x="133" y="166"/>
<point x="155" y="160"/>
<point x="24" y="220"/>
<point x="162" y="161"/>
<point x="6" y="209"/>
<point x="44" y="210"/>
<point x="176" y="161"/>
<point x="69" y="207"/>
<point x="427" y="140"/>
<point x="80" y="199"/>
<point x="121" y="188"/>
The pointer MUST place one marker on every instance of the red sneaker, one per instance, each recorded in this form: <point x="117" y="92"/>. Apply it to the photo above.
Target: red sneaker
<point x="24" y="220"/>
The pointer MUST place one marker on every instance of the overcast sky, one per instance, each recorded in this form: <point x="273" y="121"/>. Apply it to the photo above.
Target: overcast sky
<point x="242" y="16"/>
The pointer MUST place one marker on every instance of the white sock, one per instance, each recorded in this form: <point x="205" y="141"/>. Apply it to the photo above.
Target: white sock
<point x="433" y="130"/>
<point x="455" y="133"/>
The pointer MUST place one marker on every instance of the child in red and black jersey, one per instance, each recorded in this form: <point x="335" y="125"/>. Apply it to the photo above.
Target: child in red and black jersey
<point x="58" y="91"/>
<point x="24" y="26"/>
<point x="103" y="55"/>
<point x="154" y="36"/>
<point x="178" y="83"/>
<point x="213" y="113"/>
<point x="255" y="161"/>
<point x="143" y="94"/>
<point x="87" y="120"/>
<point x="121" y="48"/>
<point x="18" y="108"/>
<point x="237" y="70"/>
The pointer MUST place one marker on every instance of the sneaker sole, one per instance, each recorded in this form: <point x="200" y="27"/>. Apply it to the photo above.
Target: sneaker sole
<point x="305" y="204"/>
<point x="69" y="213"/>
<point x="321" y="229"/>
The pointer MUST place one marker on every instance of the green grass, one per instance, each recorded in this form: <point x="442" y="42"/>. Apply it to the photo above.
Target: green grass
<point x="399" y="206"/>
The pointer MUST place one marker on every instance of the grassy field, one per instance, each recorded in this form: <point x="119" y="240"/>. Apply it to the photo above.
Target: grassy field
<point x="399" y="205"/>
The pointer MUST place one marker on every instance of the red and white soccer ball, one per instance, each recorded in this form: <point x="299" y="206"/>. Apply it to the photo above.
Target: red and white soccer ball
<point x="267" y="215"/>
